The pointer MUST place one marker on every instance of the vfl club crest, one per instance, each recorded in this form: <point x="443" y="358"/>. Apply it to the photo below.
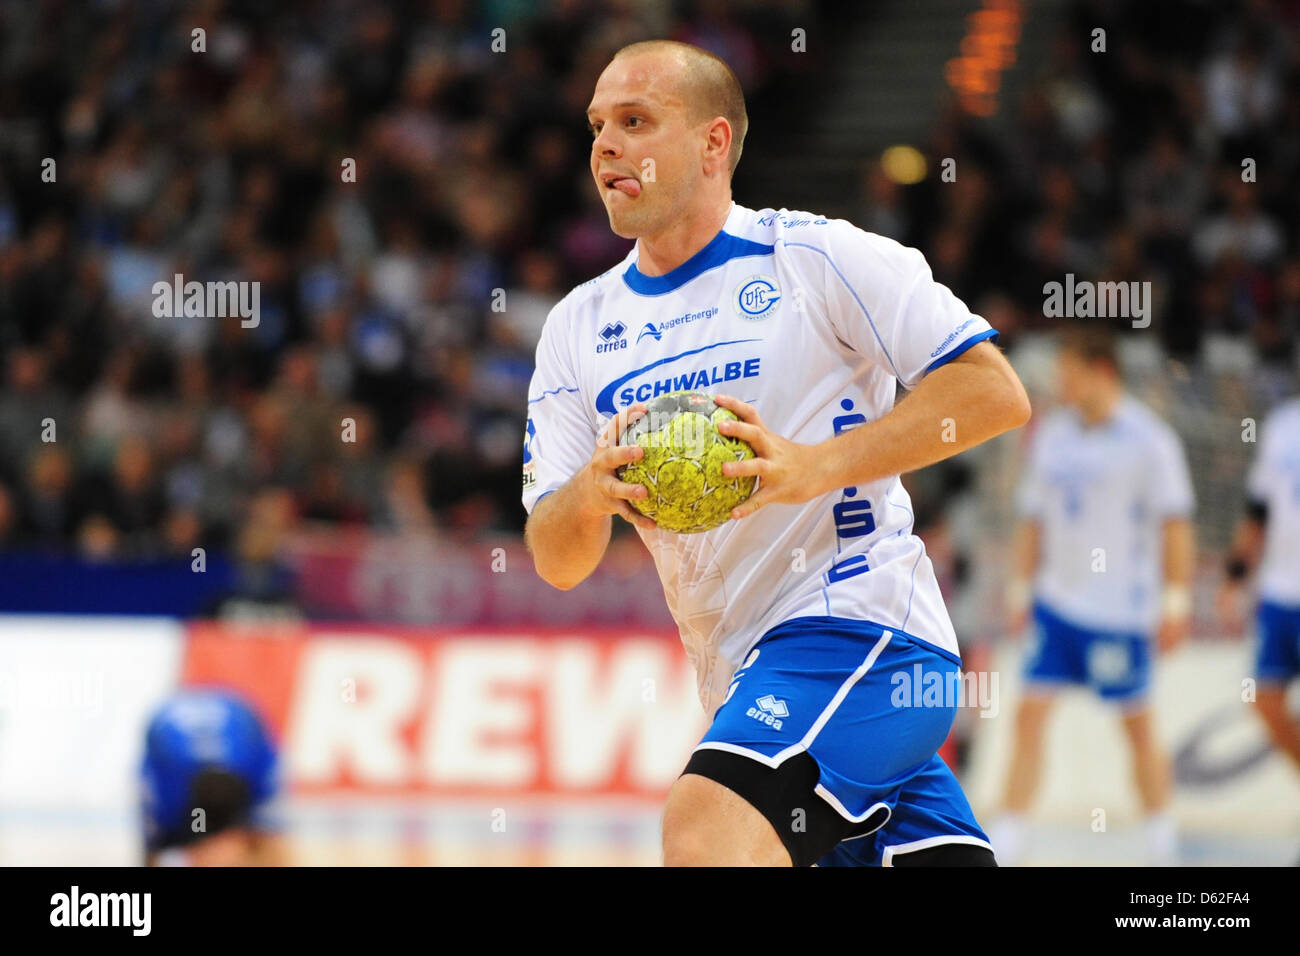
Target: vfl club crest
<point x="756" y="297"/>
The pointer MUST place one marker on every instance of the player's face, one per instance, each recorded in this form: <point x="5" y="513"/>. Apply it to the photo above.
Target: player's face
<point x="234" y="847"/>
<point x="1076" y="379"/>
<point x="645" y="154"/>
<point x="228" y="848"/>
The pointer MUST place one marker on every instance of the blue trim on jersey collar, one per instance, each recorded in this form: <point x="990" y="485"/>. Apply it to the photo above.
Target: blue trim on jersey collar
<point x="721" y="249"/>
<point x="972" y="341"/>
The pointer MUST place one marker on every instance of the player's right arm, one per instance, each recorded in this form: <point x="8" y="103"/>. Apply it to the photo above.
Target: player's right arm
<point x="568" y="531"/>
<point x="1027" y="543"/>
<point x="570" y="488"/>
<point x="1243" y="556"/>
<point x="1248" y="539"/>
<point x="1025" y="549"/>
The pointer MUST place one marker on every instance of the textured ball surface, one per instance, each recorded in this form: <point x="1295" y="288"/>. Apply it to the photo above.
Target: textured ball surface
<point x="682" y="465"/>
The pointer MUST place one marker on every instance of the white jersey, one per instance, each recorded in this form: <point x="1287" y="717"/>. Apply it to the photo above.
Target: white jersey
<point x="812" y="321"/>
<point x="1101" y="496"/>
<point x="1274" y="481"/>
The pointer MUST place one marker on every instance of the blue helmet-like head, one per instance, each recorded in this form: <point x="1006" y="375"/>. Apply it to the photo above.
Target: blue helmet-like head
<point x="207" y="750"/>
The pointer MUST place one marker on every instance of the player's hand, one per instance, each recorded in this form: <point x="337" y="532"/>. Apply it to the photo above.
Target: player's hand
<point x="602" y="492"/>
<point x="1230" y="607"/>
<point x="1172" y="632"/>
<point x="786" y="470"/>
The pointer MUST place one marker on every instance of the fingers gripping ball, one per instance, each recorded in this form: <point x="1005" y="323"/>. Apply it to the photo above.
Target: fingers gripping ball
<point x="682" y="465"/>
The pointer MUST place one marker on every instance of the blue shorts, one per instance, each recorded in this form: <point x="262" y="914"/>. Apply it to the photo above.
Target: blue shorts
<point x="1277" y="647"/>
<point x="871" y="706"/>
<point x="1116" y="664"/>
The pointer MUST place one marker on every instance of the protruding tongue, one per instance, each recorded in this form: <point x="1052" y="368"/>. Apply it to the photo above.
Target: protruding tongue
<point x="630" y="186"/>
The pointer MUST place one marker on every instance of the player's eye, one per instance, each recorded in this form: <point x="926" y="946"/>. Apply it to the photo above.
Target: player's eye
<point x="594" y="129"/>
<point x="635" y="121"/>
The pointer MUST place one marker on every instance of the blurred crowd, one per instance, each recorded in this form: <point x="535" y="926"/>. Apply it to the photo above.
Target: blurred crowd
<point x="1165" y="147"/>
<point x="384" y="383"/>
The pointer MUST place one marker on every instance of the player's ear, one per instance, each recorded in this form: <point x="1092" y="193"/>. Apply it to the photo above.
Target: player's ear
<point x="717" y="144"/>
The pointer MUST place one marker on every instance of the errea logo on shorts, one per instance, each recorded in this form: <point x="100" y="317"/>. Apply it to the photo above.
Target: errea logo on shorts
<point x="756" y="297"/>
<point x="769" y="711"/>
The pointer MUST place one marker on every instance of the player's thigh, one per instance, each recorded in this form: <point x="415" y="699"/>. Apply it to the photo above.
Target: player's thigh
<point x="931" y="824"/>
<point x="1138" y="727"/>
<point x="1032" y="712"/>
<point x="823" y="723"/>
<point x="1270" y="701"/>
<point x="706" y="824"/>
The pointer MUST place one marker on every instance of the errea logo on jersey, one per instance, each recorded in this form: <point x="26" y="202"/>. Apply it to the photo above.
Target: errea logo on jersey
<point x="612" y="337"/>
<point x="769" y="711"/>
<point x="756" y="297"/>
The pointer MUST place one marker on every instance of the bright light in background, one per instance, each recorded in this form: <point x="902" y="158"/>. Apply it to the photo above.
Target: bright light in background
<point x="988" y="49"/>
<point x="904" y="165"/>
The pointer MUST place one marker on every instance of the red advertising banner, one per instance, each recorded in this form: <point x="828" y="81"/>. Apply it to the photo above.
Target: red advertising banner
<point x="419" y="579"/>
<point x="393" y="711"/>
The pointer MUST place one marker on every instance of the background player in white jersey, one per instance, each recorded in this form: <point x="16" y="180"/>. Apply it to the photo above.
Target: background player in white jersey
<point x="1105" y="551"/>
<point x="1268" y="538"/>
<point x="796" y="613"/>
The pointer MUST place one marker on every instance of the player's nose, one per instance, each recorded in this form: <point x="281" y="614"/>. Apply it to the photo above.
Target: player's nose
<point x="604" y="145"/>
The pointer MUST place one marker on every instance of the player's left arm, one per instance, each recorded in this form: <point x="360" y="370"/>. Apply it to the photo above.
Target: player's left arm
<point x="1171" y="497"/>
<point x="1179" y="551"/>
<point x="960" y="404"/>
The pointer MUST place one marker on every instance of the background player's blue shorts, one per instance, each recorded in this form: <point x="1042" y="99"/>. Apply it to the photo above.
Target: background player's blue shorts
<point x="1277" y="649"/>
<point x="1116" y="664"/>
<point x="871" y="706"/>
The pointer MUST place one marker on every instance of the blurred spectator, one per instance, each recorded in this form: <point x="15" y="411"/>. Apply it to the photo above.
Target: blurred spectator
<point x="1243" y="85"/>
<point x="264" y="582"/>
<point x="1241" y="229"/>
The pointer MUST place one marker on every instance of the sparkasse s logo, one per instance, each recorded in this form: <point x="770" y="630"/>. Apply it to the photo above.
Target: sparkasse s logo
<point x="530" y="467"/>
<point x="611" y="336"/>
<point x="757" y="296"/>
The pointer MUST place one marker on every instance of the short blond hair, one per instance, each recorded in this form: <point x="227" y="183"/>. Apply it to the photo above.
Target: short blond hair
<point x="710" y="87"/>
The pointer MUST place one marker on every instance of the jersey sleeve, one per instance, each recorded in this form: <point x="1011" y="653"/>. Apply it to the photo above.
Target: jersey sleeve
<point x="885" y="304"/>
<point x="559" y="436"/>
<point x="1171" y="482"/>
